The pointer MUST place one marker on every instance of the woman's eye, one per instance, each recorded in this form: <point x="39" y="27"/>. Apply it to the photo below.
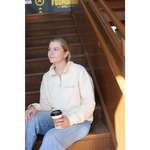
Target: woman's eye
<point x="55" y="49"/>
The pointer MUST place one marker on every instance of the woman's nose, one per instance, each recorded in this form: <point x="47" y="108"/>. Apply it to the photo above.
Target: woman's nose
<point x="50" y="52"/>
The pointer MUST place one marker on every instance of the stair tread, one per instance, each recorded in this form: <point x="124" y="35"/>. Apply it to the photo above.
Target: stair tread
<point x="47" y="14"/>
<point x="45" y="58"/>
<point x="38" y="47"/>
<point x="71" y="44"/>
<point x="63" y="35"/>
<point x="37" y="17"/>
<point x="51" y="28"/>
<point x="58" y="27"/>
<point x="52" y="20"/>
<point x="34" y="74"/>
<point x="98" y="130"/>
<point x="31" y="92"/>
<point x="42" y="73"/>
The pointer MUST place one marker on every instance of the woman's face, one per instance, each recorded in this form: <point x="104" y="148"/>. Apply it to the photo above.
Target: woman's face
<point x="56" y="53"/>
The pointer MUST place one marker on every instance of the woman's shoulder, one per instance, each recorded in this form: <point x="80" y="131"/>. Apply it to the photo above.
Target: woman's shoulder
<point x="78" y="67"/>
<point x="46" y="75"/>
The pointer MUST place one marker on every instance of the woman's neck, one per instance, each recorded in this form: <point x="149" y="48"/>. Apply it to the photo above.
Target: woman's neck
<point x="59" y="68"/>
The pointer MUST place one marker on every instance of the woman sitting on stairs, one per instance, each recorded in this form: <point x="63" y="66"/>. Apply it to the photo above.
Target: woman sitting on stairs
<point x="68" y="87"/>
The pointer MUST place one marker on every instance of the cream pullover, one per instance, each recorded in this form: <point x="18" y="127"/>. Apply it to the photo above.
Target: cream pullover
<point x="72" y="93"/>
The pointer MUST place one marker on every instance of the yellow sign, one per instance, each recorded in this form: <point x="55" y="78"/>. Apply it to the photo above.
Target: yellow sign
<point x="63" y="3"/>
<point x="39" y="2"/>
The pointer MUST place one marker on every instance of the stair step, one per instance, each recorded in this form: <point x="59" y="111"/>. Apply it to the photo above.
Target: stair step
<point x="41" y="52"/>
<point x="51" y="31"/>
<point x="97" y="139"/>
<point x="32" y="97"/>
<point x="32" y="82"/>
<point x="93" y="48"/>
<point x="43" y="64"/>
<point x="48" y="24"/>
<point x="44" y="40"/>
<point x="63" y="29"/>
<point x="46" y="16"/>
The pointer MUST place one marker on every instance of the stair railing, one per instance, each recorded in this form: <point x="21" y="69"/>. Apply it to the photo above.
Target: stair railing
<point x="121" y="28"/>
<point x="115" y="69"/>
<point x="123" y="84"/>
<point x="113" y="17"/>
<point x="113" y="37"/>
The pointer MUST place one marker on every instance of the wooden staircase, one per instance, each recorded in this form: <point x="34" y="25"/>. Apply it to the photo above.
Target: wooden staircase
<point x="40" y="28"/>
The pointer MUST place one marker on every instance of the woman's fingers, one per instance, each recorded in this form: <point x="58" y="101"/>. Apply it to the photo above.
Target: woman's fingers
<point x="27" y="115"/>
<point x="62" y="123"/>
<point x="32" y="110"/>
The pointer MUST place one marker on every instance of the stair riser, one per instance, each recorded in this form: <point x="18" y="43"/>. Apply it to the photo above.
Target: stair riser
<point x="47" y="32"/>
<point x="85" y="29"/>
<point x="44" y="41"/>
<point x="47" y="17"/>
<point x="93" y="49"/>
<point x="32" y="98"/>
<point x="42" y="52"/>
<point x="98" y="63"/>
<point x="33" y="81"/>
<point x="44" y="65"/>
<point x="47" y="25"/>
<point x="89" y="38"/>
<point x="82" y="21"/>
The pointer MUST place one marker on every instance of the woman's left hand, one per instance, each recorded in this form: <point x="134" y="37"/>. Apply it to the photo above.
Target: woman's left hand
<point x="62" y="123"/>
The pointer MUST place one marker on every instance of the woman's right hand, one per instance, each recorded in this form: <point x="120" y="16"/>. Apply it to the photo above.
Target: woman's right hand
<point x="30" y="110"/>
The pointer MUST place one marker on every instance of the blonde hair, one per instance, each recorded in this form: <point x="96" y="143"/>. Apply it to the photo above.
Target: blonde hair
<point x="65" y="45"/>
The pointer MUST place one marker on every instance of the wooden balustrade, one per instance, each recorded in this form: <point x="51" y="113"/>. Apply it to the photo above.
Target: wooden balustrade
<point x="113" y="17"/>
<point x="108" y="29"/>
<point x="119" y="78"/>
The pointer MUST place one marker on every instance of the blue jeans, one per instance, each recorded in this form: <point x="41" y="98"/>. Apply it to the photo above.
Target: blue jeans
<point x="54" y="139"/>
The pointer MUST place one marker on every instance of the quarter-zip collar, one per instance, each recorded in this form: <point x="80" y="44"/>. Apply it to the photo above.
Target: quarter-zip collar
<point x="52" y="71"/>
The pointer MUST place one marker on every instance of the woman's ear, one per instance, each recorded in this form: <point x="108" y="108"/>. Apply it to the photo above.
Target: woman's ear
<point x="66" y="54"/>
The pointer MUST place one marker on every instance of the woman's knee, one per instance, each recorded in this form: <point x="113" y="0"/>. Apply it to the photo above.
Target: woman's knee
<point x="32" y="119"/>
<point x="48" y="136"/>
<point x="35" y="118"/>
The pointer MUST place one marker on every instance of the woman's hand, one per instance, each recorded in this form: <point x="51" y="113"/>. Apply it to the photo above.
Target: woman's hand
<point x="30" y="110"/>
<point x="62" y="123"/>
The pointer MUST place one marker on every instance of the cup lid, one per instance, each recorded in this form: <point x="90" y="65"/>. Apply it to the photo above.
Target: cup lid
<point x="56" y="112"/>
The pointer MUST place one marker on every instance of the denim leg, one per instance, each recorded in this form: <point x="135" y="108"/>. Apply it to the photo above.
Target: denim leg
<point x="60" y="139"/>
<point x="39" y="124"/>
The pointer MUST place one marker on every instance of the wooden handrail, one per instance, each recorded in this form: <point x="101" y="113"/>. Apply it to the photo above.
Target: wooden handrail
<point x="113" y="17"/>
<point x="113" y="37"/>
<point x="108" y="54"/>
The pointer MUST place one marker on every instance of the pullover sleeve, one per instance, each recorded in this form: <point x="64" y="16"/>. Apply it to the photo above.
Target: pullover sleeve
<point x="44" y="104"/>
<point x="86" y="88"/>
